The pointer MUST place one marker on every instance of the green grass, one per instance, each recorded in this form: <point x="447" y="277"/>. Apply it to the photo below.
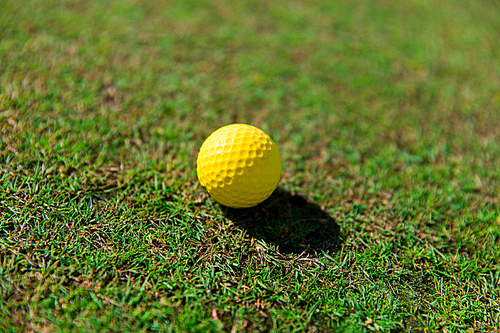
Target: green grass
<point x="387" y="116"/>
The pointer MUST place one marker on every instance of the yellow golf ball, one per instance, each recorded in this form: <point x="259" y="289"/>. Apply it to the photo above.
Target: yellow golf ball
<point x="239" y="165"/>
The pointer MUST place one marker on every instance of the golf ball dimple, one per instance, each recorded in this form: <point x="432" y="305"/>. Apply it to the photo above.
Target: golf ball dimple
<point x="239" y="165"/>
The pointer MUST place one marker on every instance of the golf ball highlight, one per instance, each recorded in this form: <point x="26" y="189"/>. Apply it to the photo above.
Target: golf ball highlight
<point x="239" y="165"/>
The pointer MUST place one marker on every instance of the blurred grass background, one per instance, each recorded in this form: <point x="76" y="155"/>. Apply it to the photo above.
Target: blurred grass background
<point x="387" y="118"/>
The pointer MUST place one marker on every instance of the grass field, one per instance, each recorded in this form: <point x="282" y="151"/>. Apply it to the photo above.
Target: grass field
<point x="387" y="117"/>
